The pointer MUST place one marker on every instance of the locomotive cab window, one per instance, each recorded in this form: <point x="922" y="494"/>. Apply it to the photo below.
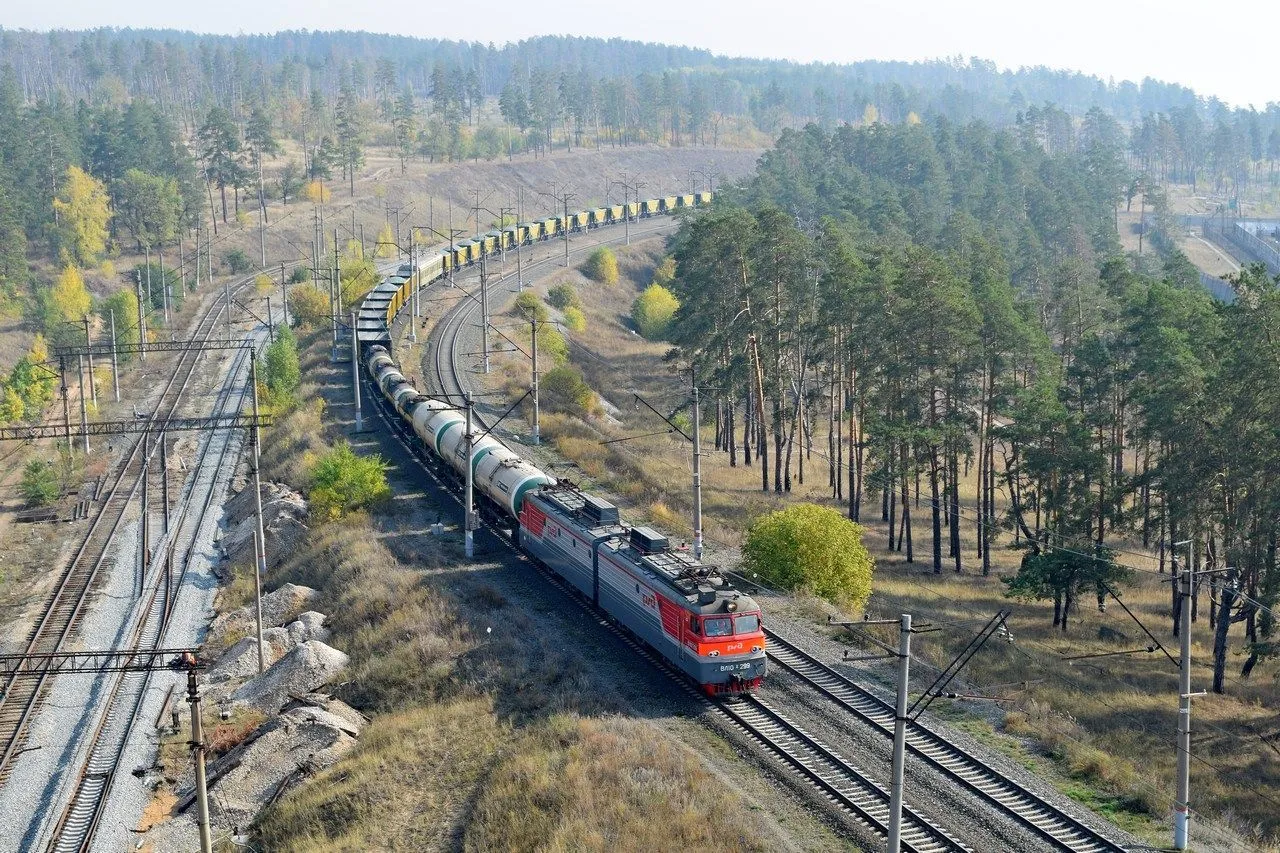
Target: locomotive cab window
<point x="746" y="623"/>
<point x="693" y="625"/>
<point x="717" y="626"/>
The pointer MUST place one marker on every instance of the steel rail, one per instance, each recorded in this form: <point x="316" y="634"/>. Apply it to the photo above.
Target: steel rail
<point x="1058" y="827"/>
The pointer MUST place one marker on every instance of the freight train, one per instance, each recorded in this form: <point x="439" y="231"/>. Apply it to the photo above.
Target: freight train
<point x="687" y="611"/>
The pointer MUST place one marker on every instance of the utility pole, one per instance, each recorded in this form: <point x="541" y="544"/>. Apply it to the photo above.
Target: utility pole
<point x="262" y="230"/>
<point x="1182" y="806"/>
<point x="537" y="429"/>
<point x="164" y="285"/>
<point x="565" y="228"/>
<point x="260" y="537"/>
<point x="197" y="753"/>
<point x="470" y="546"/>
<point x="520" y="243"/>
<point x="164" y="477"/>
<point x="149" y="305"/>
<point x="226" y="297"/>
<point x="88" y="348"/>
<point x="84" y="403"/>
<point x="198" y="229"/>
<point x="413" y="290"/>
<point x="484" y="310"/>
<point x="284" y="297"/>
<point x="66" y="402"/>
<point x="355" y="372"/>
<point x="115" y="369"/>
<point x="142" y="318"/>
<point x="335" y="294"/>
<point x="899" y="735"/>
<point x="697" y="469"/>
<point x="144" y="524"/>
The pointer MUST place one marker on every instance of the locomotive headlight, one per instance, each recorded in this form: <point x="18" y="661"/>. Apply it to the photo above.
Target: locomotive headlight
<point x="755" y="648"/>
<point x="713" y="654"/>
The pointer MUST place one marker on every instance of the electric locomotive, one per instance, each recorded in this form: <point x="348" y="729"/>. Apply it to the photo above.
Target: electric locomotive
<point x="687" y="611"/>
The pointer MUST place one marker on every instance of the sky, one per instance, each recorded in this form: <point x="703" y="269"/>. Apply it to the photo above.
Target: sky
<point x="1230" y="56"/>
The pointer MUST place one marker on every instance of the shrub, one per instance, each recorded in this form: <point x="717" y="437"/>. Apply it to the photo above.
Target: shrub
<point x="263" y="283"/>
<point x="563" y="296"/>
<point x="39" y="483"/>
<point x="300" y="275"/>
<point x="237" y="261"/>
<point x="812" y="547"/>
<point x="342" y="482"/>
<point x="552" y="347"/>
<point x="564" y="390"/>
<point x="309" y="306"/>
<point x="574" y="319"/>
<point x="602" y="265"/>
<point x="281" y="372"/>
<point x="666" y="272"/>
<point x="653" y="310"/>
<point x="530" y="307"/>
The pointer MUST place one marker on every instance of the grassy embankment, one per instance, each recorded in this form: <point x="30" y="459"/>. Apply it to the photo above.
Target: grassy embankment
<point x="1102" y="730"/>
<point x="480" y="741"/>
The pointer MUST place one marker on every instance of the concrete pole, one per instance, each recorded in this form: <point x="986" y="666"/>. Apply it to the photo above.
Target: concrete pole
<point x="470" y="548"/>
<point x="197" y="754"/>
<point x="259" y="534"/>
<point x="164" y="477"/>
<point x="900" y="735"/>
<point x="149" y="305"/>
<point x="1182" y="806"/>
<point x="197" y="285"/>
<point x="519" y="241"/>
<point x="697" y="471"/>
<point x="413" y="290"/>
<point x="142" y="320"/>
<point x="182" y="265"/>
<point x="284" y="297"/>
<point x="271" y="324"/>
<point x="565" y="222"/>
<point x="115" y="367"/>
<point x="226" y="298"/>
<point x="84" y="404"/>
<point x="66" y="404"/>
<point x="537" y="427"/>
<point x="484" y="310"/>
<point x="93" y="383"/>
<point x="335" y="289"/>
<point x="164" y="285"/>
<point x="145" y="523"/>
<point x="355" y="372"/>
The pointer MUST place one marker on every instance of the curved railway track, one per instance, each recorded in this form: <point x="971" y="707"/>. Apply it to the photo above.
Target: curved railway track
<point x="74" y="831"/>
<point x="815" y="764"/>
<point x="1060" y="828"/>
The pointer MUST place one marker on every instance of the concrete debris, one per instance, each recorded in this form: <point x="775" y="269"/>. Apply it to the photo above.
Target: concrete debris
<point x="278" y="607"/>
<point x="241" y="660"/>
<point x="308" y="626"/>
<point x="308" y="667"/>
<point x="284" y="514"/>
<point x="309" y="736"/>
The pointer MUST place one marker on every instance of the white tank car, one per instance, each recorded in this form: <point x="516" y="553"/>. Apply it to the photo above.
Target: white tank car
<point x="388" y="377"/>
<point x="506" y="478"/>
<point x="402" y="395"/>
<point x="423" y="412"/>
<point x="378" y="359"/>
<point x="452" y="447"/>
<point x="438" y="424"/>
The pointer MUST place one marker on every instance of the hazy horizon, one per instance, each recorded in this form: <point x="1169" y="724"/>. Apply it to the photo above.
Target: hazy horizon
<point x="1215" y="55"/>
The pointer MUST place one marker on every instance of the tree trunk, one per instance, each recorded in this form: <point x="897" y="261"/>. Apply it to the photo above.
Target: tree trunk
<point x="1227" y="598"/>
<point x="955" y="510"/>
<point x="936" y="504"/>
<point x="906" y="506"/>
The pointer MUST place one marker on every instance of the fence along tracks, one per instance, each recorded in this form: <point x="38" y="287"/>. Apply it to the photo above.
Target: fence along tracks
<point x="21" y="696"/>
<point x="1058" y="827"/>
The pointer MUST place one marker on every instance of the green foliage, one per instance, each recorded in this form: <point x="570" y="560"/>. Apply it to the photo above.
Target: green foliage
<point x="529" y="307"/>
<point x="552" y="346"/>
<point x="1061" y="575"/>
<point x="300" y="275"/>
<point x="342" y="482"/>
<point x="602" y="266"/>
<point x="574" y="319"/>
<point x="147" y="206"/>
<point x="562" y="296"/>
<point x="237" y="261"/>
<point x="39" y="486"/>
<point x="653" y="311"/>
<point x="83" y="210"/>
<point x="281" y="373"/>
<point x="665" y="274"/>
<point x="564" y="390"/>
<point x="308" y="306"/>
<point x="123" y="304"/>
<point x="811" y="547"/>
<point x="358" y="275"/>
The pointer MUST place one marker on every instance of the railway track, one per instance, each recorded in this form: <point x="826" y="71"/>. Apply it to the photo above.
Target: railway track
<point x="805" y="757"/>
<point x="1060" y="828"/>
<point x="21" y="696"/>
<point x="104" y="750"/>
